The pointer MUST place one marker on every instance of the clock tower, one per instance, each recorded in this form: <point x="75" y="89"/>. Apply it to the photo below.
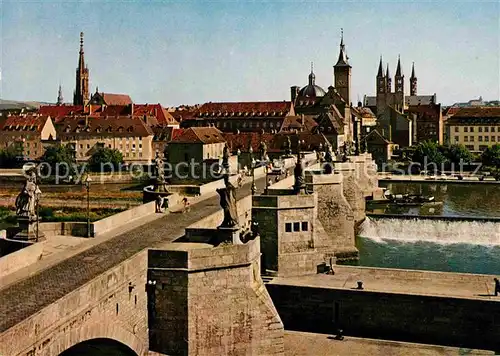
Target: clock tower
<point x="342" y="74"/>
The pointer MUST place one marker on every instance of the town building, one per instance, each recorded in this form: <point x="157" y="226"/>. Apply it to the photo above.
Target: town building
<point x="267" y="116"/>
<point x="196" y="153"/>
<point x="129" y="135"/>
<point x="474" y="127"/>
<point x="27" y="134"/>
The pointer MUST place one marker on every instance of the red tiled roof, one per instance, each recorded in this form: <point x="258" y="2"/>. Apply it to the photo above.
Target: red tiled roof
<point x="199" y="135"/>
<point x="161" y="114"/>
<point x="256" y="108"/>
<point x="29" y="123"/>
<point x="242" y="141"/>
<point x="295" y="122"/>
<point x="180" y="115"/>
<point x="119" y="126"/>
<point x="478" y="112"/>
<point x="58" y="111"/>
<point x="113" y="110"/>
<point x="166" y="133"/>
<point x="116" y="99"/>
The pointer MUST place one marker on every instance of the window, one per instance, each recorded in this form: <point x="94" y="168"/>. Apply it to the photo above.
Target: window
<point x="140" y="154"/>
<point x="470" y="147"/>
<point x="493" y="138"/>
<point x="486" y="139"/>
<point x="109" y="145"/>
<point x="288" y="227"/>
<point x="486" y="129"/>
<point x="492" y="129"/>
<point x="480" y="138"/>
<point x="140" y="145"/>
<point x="457" y="129"/>
<point x="466" y="129"/>
<point x="471" y="138"/>
<point x="305" y="226"/>
<point x="472" y="129"/>
<point x="456" y="138"/>
<point x="81" y="146"/>
<point x="480" y="129"/>
<point x="466" y="139"/>
<point x="296" y="226"/>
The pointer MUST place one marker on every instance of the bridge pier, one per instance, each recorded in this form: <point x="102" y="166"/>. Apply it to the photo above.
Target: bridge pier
<point x="352" y="191"/>
<point x="335" y="215"/>
<point x="207" y="300"/>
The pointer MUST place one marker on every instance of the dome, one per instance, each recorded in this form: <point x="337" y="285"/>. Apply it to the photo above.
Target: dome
<point x="312" y="90"/>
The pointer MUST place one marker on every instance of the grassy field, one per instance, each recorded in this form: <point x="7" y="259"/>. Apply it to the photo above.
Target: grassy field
<point x="58" y="214"/>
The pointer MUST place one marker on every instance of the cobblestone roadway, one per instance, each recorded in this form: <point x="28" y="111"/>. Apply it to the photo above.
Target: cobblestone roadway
<point x="30" y="295"/>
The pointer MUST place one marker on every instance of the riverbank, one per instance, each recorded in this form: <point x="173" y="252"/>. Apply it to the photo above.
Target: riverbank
<point x="389" y="177"/>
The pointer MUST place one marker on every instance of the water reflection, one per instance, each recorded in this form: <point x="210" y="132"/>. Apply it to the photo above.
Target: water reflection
<point x="457" y="199"/>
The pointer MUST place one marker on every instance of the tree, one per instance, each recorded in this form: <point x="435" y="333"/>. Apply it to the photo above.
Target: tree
<point x="457" y="153"/>
<point x="60" y="158"/>
<point x="491" y="156"/>
<point x="8" y="157"/>
<point x="428" y="152"/>
<point x="105" y="160"/>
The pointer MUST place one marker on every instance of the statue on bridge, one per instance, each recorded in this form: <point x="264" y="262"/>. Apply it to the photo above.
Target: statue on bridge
<point x="328" y="159"/>
<point x="225" y="159"/>
<point x="160" y="185"/>
<point x="263" y="151"/>
<point x="288" y="147"/>
<point x="27" y="200"/>
<point x="228" y="204"/>
<point x="298" y="171"/>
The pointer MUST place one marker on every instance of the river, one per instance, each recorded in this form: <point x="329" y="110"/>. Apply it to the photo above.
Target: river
<point x="437" y="245"/>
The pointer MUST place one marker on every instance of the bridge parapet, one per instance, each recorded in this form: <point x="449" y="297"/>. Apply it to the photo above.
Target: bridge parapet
<point x="112" y="305"/>
<point x="208" y="300"/>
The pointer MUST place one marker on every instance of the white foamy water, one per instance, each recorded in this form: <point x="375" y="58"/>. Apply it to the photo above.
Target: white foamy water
<point x="437" y="231"/>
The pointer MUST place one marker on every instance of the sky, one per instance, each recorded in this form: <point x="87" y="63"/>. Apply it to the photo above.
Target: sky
<point x="188" y="52"/>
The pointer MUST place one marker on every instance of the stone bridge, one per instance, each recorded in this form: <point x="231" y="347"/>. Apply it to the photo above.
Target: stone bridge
<point x="95" y="300"/>
<point x="99" y="301"/>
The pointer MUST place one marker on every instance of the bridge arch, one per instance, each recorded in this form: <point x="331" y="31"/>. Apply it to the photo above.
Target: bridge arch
<point x="99" y="347"/>
<point x="105" y="335"/>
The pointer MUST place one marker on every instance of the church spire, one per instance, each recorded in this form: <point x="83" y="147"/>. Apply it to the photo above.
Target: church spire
<point x="60" y="96"/>
<point x="81" y="94"/>
<point x="388" y="79"/>
<point x="398" y="69"/>
<point x="343" y="59"/>
<point x="81" y="59"/>
<point x="312" y="77"/>
<point x="413" y="81"/>
<point x="380" y="73"/>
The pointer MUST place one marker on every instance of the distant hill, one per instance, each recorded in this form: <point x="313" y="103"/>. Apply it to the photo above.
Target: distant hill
<point x="12" y="104"/>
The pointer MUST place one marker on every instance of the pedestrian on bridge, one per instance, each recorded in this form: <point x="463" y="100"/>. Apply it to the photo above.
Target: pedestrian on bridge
<point x="497" y="286"/>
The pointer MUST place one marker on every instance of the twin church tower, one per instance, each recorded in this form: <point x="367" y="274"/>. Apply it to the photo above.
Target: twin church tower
<point x="397" y="99"/>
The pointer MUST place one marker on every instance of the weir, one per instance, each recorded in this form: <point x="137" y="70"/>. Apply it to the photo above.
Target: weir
<point x="441" y="231"/>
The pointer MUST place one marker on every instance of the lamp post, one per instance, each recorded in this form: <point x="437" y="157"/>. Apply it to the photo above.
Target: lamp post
<point x="252" y="163"/>
<point x="238" y="153"/>
<point x="38" y="193"/>
<point x="87" y="185"/>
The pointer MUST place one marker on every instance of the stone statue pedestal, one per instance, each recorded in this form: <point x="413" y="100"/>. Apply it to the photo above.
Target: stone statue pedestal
<point x="228" y="234"/>
<point x="27" y="229"/>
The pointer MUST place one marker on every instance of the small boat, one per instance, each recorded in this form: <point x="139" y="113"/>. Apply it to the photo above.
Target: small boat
<point x="404" y="199"/>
